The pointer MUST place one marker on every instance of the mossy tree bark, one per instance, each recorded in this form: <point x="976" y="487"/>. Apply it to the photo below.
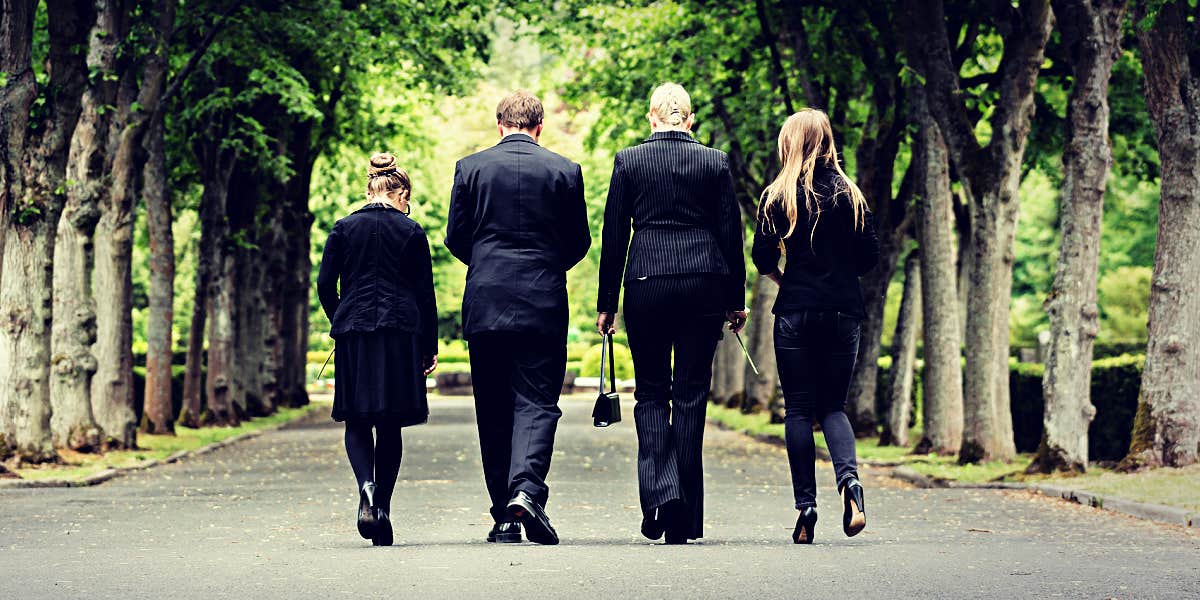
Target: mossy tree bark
<point x="32" y="195"/>
<point x="1167" y="426"/>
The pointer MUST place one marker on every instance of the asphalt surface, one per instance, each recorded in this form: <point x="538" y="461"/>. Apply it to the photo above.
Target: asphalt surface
<point x="273" y="517"/>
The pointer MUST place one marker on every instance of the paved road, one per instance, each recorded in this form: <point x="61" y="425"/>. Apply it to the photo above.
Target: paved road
<point x="273" y="518"/>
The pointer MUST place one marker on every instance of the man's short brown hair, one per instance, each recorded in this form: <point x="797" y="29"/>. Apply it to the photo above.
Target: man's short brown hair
<point x="520" y="109"/>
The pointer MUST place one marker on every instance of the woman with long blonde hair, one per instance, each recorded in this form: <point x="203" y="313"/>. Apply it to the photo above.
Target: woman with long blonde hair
<point x="815" y="215"/>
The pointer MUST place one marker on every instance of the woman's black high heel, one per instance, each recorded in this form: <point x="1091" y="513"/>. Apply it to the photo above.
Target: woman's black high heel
<point x="383" y="529"/>
<point x="805" y="526"/>
<point x="366" y="511"/>
<point x="854" y="517"/>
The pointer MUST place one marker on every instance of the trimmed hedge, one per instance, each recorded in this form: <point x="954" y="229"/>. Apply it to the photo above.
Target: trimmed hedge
<point x="1116" y="382"/>
<point x="590" y="364"/>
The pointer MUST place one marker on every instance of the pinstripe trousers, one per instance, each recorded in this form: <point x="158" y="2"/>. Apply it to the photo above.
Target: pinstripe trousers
<point x="665" y="315"/>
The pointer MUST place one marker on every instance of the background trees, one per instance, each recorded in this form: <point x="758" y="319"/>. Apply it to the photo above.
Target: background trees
<point x="194" y="151"/>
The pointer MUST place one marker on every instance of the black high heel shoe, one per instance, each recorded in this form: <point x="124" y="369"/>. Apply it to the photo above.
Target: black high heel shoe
<point x="854" y="515"/>
<point x="383" y="529"/>
<point x="366" y="511"/>
<point x="805" y="526"/>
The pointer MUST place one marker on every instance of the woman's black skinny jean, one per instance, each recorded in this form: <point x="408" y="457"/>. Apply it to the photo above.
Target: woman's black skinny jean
<point x="816" y="351"/>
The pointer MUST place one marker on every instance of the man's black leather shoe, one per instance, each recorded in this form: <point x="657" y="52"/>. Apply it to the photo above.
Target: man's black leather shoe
<point x="508" y="532"/>
<point x="537" y="525"/>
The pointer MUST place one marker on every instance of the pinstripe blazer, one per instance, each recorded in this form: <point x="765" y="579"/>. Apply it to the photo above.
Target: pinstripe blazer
<point x="676" y="195"/>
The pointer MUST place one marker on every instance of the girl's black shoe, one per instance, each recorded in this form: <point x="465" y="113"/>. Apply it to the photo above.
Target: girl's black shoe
<point x="383" y="529"/>
<point x="854" y="516"/>
<point x="805" y="525"/>
<point x="366" y="511"/>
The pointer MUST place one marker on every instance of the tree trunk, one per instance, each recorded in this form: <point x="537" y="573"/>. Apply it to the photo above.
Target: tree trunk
<point x="904" y="356"/>
<point x="73" y="329"/>
<point x="729" y="374"/>
<point x="297" y="223"/>
<point x="219" y="384"/>
<point x="34" y="157"/>
<point x="762" y="389"/>
<point x="991" y="176"/>
<point x="158" y="406"/>
<point x="942" y="403"/>
<point x="863" y="385"/>
<point x="1167" y="426"/>
<point x="1091" y="30"/>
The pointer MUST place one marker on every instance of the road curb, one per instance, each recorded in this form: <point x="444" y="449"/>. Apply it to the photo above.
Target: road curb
<point x="107" y="474"/>
<point x="1151" y="512"/>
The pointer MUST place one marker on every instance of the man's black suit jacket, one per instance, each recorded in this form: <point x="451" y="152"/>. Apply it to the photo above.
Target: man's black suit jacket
<point x="676" y="196"/>
<point x="518" y="220"/>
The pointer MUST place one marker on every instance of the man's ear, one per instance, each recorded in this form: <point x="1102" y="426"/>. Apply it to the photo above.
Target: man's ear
<point x="537" y="132"/>
<point x="500" y="128"/>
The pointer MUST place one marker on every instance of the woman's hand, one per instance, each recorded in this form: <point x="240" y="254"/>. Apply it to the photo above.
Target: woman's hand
<point x="429" y="364"/>
<point x="737" y="320"/>
<point x="606" y="323"/>
<point x="777" y="277"/>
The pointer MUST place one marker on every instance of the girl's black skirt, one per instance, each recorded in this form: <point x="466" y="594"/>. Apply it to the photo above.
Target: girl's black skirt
<point x="378" y="378"/>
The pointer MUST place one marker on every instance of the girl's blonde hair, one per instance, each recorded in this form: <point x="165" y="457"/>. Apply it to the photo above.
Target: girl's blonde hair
<point x="806" y="140"/>
<point x="383" y="176"/>
<point x="671" y="104"/>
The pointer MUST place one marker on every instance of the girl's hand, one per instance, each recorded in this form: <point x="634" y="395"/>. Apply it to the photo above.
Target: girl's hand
<point x="777" y="277"/>
<point x="606" y="323"/>
<point x="429" y="364"/>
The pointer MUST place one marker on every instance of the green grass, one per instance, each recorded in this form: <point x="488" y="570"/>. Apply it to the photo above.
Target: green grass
<point x="868" y="450"/>
<point x="78" y="466"/>
<point x="1173" y="487"/>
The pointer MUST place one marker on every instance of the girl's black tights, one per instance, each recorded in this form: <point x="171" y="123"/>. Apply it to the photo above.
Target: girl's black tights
<point x="375" y="457"/>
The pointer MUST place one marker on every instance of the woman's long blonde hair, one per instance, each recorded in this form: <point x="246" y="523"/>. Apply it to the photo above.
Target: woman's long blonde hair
<point x="806" y="140"/>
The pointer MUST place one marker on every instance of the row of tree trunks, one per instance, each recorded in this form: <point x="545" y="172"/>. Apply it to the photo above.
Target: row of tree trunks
<point x="991" y="175"/>
<point x="904" y="356"/>
<point x="942" y="406"/>
<point x="35" y="157"/>
<point x="1167" y="426"/>
<point x="1091" y="31"/>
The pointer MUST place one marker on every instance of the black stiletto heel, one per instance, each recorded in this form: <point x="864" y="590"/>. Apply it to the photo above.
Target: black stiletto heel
<point x="383" y="529"/>
<point x="366" y="511"/>
<point x="805" y="526"/>
<point x="854" y="516"/>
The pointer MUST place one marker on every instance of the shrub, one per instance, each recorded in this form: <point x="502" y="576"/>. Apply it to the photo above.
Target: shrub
<point x="1114" y="392"/>
<point x="589" y="365"/>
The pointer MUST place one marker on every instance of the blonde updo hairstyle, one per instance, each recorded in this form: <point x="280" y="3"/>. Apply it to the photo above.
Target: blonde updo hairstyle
<point x="386" y="179"/>
<point x="671" y="105"/>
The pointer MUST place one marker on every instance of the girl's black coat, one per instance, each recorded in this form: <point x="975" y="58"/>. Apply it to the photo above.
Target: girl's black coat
<point x="825" y="255"/>
<point x="382" y="259"/>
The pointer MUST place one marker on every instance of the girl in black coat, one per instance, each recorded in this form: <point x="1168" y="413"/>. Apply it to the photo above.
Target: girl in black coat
<point x="385" y="322"/>
<point x="820" y="218"/>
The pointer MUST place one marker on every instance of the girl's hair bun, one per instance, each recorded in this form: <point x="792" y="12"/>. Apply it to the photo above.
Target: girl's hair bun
<point x="383" y="163"/>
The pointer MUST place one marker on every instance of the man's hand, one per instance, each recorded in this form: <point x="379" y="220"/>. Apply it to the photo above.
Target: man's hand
<point x="777" y="277"/>
<point x="737" y="320"/>
<point x="429" y="364"/>
<point x="606" y="323"/>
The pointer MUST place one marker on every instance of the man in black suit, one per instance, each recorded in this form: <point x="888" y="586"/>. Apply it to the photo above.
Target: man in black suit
<point x="519" y="222"/>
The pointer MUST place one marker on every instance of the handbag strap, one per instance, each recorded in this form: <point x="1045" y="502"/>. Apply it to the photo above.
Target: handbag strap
<point x="606" y="351"/>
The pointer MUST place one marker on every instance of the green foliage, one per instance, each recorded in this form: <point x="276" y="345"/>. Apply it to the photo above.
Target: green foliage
<point x="1124" y="298"/>
<point x="589" y="365"/>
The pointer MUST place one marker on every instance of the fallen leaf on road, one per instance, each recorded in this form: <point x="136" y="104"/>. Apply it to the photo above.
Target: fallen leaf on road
<point x="972" y="529"/>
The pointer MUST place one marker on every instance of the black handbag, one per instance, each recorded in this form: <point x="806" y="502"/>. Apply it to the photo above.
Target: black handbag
<point x="608" y="405"/>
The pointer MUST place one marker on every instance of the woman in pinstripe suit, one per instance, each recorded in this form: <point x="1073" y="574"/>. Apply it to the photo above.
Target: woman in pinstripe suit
<point x="684" y="277"/>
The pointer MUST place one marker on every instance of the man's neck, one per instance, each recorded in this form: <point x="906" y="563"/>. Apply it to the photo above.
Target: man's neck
<point x="506" y="132"/>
